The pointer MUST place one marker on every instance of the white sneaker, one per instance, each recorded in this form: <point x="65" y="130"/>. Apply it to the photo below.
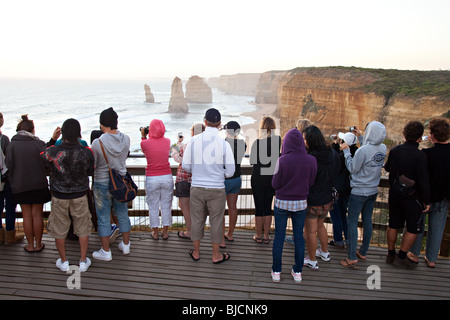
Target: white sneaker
<point x="125" y="248"/>
<point x="296" y="275"/>
<point x="310" y="264"/>
<point x="325" y="256"/>
<point x="63" y="266"/>
<point x="84" y="265"/>
<point x="276" y="276"/>
<point x="102" y="255"/>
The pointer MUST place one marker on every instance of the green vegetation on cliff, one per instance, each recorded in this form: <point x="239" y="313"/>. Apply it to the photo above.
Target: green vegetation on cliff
<point x="404" y="82"/>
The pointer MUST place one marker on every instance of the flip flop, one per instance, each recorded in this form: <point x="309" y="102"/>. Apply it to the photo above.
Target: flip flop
<point x="42" y="248"/>
<point x="226" y="238"/>
<point x="29" y="251"/>
<point x="192" y="255"/>
<point x="429" y="265"/>
<point x="225" y="256"/>
<point x="266" y="241"/>
<point x="346" y="264"/>
<point x="258" y="240"/>
<point x="182" y="235"/>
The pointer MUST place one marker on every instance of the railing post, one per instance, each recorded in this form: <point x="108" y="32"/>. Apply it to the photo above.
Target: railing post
<point x="445" y="244"/>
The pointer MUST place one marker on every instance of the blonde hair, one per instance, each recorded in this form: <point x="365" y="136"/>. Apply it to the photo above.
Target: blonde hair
<point x="302" y="124"/>
<point x="197" y="128"/>
<point x="266" y="126"/>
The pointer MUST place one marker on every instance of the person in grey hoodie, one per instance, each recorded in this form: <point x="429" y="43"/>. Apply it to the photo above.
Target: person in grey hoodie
<point x="116" y="146"/>
<point x="365" y="173"/>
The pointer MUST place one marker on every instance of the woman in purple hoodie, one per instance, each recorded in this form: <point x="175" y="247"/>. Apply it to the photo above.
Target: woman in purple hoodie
<point x="295" y="173"/>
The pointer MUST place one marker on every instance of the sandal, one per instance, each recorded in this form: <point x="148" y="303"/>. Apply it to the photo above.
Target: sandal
<point x="191" y="253"/>
<point x="353" y="265"/>
<point x="258" y="240"/>
<point x="266" y="241"/>
<point x="183" y="235"/>
<point x="153" y="236"/>
<point x="225" y="257"/>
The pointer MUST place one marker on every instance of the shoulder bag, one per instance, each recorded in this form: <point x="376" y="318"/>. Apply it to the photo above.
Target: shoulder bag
<point x="122" y="188"/>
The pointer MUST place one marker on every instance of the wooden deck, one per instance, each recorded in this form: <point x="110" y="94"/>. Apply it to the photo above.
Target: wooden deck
<point x="164" y="270"/>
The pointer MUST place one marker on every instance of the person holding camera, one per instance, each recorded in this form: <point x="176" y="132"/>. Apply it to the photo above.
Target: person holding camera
<point x="365" y="172"/>
<point x="158" y="180"/>
<point x="342" y="184"/>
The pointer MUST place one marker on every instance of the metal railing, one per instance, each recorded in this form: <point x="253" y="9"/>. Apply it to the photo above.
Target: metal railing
<point x="138" y="209"/>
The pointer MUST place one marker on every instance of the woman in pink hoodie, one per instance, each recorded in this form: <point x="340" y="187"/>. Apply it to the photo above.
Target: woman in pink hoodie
<point x="159" y="180"/>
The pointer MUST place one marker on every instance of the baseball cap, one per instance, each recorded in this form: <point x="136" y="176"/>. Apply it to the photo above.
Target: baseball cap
<point x="212" y="115"/>
<point x="349" y="138"/>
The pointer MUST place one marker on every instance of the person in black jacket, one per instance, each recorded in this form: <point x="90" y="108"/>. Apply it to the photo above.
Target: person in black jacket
<point x="338" y="214"/>
<point x="439" y="171"/>
<point x="28" y="179"/>
<point x="70" y="164"/>
<point x="320" y="195"/>
<point x="408" y="161"/>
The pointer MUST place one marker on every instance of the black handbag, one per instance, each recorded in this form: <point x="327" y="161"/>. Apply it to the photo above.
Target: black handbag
<point x="122" y="188"/>
<point x="404" y="186"/>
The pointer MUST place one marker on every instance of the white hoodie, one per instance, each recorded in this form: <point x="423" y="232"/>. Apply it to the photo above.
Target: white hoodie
<point x="365" y="166"/>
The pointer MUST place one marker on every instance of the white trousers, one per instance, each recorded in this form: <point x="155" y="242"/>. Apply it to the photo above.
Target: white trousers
<point x="159" y="194"/>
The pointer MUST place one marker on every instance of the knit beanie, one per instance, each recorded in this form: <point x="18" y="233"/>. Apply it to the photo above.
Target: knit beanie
<point x="108" y="118"/>
<point x="71" y="130"/>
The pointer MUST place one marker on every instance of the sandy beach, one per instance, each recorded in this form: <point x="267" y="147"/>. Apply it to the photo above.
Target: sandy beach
<point x="251" y="130"/>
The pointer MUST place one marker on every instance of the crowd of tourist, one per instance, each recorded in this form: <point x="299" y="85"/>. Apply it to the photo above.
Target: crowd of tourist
<point x="302" y="176"/>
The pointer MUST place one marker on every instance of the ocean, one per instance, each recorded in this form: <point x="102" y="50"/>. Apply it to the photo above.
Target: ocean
<point x="49" y="102"/>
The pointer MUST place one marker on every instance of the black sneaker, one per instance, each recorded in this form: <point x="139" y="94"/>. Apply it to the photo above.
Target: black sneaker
<point x="407" y="263"/>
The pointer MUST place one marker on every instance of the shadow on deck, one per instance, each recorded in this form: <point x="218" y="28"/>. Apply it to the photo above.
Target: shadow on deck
<point x="164" y="270"/>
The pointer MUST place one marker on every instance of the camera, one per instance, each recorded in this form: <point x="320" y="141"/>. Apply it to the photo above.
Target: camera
<point x="333" y="136"/>
<point x="180" y="135"/>
<point x="145" y="130"/>
<point x="351" y="129"/>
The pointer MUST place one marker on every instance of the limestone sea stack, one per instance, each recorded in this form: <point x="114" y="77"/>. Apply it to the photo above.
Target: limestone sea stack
<point x="197" y="91"/>
<point x="148" y="94"/>
<point x="178" y="102"/>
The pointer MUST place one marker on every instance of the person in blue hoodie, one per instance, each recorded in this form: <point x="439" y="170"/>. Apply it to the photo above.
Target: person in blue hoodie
<point x="365" y="173"/>
<point x="294" y="174"/>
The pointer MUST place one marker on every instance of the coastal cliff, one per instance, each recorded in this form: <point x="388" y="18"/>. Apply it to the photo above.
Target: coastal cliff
<point x="240" y="84"/>
<point x="336" y="98"/>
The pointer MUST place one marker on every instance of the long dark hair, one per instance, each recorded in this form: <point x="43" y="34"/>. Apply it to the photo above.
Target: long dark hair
<point x="315" y="139"/>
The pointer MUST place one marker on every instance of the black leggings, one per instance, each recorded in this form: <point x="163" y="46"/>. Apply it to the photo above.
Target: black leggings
<point x="263" y="196"/>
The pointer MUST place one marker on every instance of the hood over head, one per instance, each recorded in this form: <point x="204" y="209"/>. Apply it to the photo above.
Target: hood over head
<point x="293" y="142"/>
<point x="375" y="133"/>
<point x="157" y="129"/>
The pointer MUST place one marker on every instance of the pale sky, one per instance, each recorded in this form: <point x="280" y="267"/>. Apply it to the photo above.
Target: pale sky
<point x="167" y="38"/>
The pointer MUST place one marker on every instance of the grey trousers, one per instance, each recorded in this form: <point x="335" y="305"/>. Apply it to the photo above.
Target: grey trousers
<point x="206" y="201"/>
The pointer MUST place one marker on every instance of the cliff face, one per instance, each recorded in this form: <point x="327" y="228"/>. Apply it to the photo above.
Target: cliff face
<point x="241" y="84"/>
<point x="177" y="101"/>
<point x="267" y="88"/>
<point x="197" y="91"/>
<point x="335" y="99"/>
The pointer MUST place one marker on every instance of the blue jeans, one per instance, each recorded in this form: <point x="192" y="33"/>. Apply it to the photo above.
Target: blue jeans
<point x="7" y="202"/>
<point x="103" y="204"/>
<point x="298" y="222"/>
<point x="339" y="218"/>
<point x="356" y="205"/>
<point x="437" y="217"/>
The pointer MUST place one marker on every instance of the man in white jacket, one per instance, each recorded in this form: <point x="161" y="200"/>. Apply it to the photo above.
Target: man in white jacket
<point x="210" y="159"/>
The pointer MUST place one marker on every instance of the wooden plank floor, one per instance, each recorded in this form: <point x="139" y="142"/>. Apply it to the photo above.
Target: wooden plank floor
<point x="164" y="270"/>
